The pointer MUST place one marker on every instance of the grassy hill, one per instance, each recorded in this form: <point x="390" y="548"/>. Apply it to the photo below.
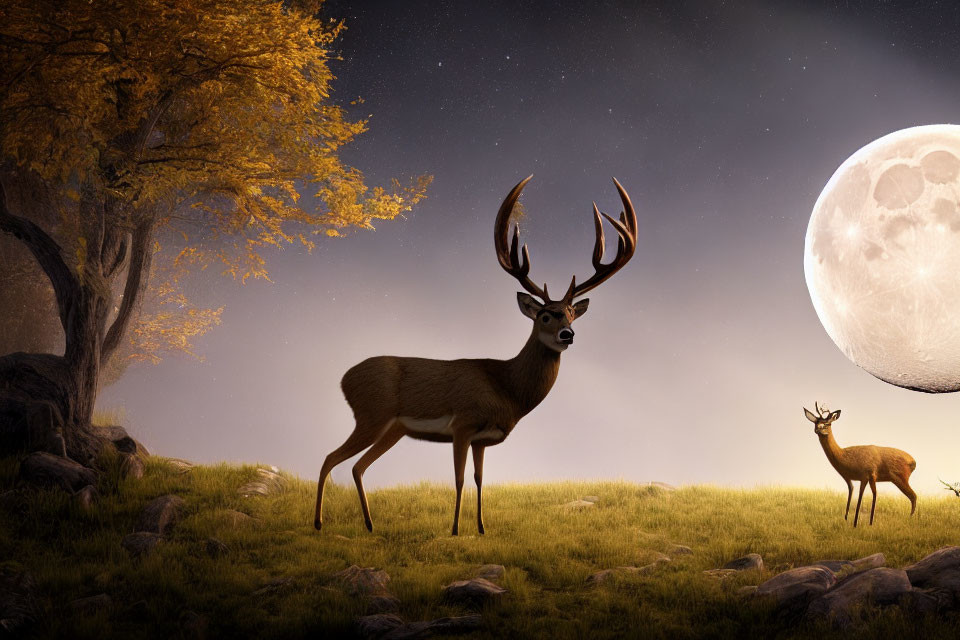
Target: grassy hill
<point x="548" y="550"/>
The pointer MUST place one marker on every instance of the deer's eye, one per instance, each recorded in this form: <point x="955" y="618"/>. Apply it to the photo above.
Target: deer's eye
<point x="545" y="318"/>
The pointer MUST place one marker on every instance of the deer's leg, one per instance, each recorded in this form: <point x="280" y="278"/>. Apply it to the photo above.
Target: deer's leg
<point x="478" y="477"/>
<point x="361" y="438"/>
<point x="873" y="505"/>
<point x="461" y="443"/>
<point x="856" y="514"/>
<point x="904" y="486"/>
<point x="849" y="495"/>
<point x="392" y="436"/>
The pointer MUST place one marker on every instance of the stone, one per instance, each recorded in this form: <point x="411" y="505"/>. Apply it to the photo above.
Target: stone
<point x="749" y="562"/>
<point x="921" y="602"/>
<point x="87" y="496"/>
<point x="181" y="466"/>
<point x="122" y="441"/>
<point x="721" y="574"/>
<point x="367" y="581"/>
<point x="92" y="605"/>
<point x="938" y="569"/>
<point x="47" y="470"/>
<point x="577" y="505"/>
<point x="794" y="588"/>
<point x="268" y="483"/>
<point x="274" y="586"/>
<point x="378" y="624"/>
<point x="662" y="486"/>
<point x="440" y="626"/>
<point x="490" y="572"/>
<point x="870" y="562"/>
<point x="140" y="543"/>
<point x="132" y="466"/>
<point x="747" y="591"/>
<point x="680" y="550"/>
<point x="238" y="518"/>
<point x="839" y="606"/>
<point x="835" y="566"/>
<point x="382" y="604"/>
<point x="475" y="592"/>
<point x="19" y="607"/>
<point x="215" y="548"/>
<point x="160" y="514"/>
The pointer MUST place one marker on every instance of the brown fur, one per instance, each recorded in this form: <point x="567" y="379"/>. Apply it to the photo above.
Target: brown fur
<point x="482" y="394"/>
<point x="869" y="464"/>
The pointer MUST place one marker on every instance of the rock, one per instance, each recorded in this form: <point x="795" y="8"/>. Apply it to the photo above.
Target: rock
<point x="440" y="626"/>
<point x="18" y="602"/>
<point x="140" y="543"/>
<point x="274" y="586"/>
<point x="921" y="602"/>
<point x="193" y="626"/>
<point x="835" y="566"/>
<point x="87" y="496"/>
<point x="382" y="604"/>
<point x="747" y="591"/>
<point x="796" y="587"/>
<point x="160" y="514"/>
<point x="182" y="466"/>
<point x="215" y="548"/>
<point x="749" y="562"/>
<point x="238" y="518"/>
<point x="475" y="592"/>
<point x="590" y="498"/>
<point x="870" y="562"/>
<point x="939" y="569"/>
<point x="122" y="441"/>
<point x="132" y="466"/>
<point x="376" y="625"/>
<point x="363" y="582"/>
<point x="577" y="505"/>
<point x="681" y="550"/>
<point x="662" y="485"/>
<point x="721" y="573"/>
<point x="269" y="482"/>
<point x="839" y="606"/>
<point x="601" y="576"/>
<point x="92" y="605"/>
<point x="491" y="572"/>
<point x="45" y="469"/>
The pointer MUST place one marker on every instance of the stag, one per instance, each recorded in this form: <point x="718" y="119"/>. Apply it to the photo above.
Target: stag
<point x="868" y="463"/>
<point x="472" y="403"/>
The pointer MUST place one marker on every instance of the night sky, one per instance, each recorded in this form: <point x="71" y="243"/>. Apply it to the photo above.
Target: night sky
<point x="692" y="364"/>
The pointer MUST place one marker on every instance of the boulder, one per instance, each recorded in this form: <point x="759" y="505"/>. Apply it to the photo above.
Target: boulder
<point x="475" y="592"/>
<point x="794" y="588"/>
<point x="18" y="601"/>
<point x="662" y="486"/>
<point x="45" y="469"/>
<point x="605" y="574"/>
<point x="749" y="562"/>
<point x="939" y="569"/>
<point x="122" y="441"/>
<point x="376" y="625"/>
<point x="160" y="514"/>
<point x="140" y="543"/>
<point x="382" y="604"/>
<point x="682" y="550"/>
<point x="268" y="482"/>
<point x="87" y="496"/>
<point x="132" y="466"/>
<point x="835" y="565"/>
<point x="178" y="465"/>
<point x="215" y="548"/>
<point x="93" y="605"/>
<point x="870" y="562"/>
<point x="490" y="572"/>
<point x="366" y="581"/>
<point x="839" y="606"/>
<point x="440" y="626"/>
<point x="921" y="602"/>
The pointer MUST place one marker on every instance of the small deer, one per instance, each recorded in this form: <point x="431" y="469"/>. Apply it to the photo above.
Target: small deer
<point x="868" y="464"/>
<point x="472" y="403"/>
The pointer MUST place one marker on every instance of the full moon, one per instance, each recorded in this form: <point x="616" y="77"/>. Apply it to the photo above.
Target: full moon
<point x="882" y="258"/>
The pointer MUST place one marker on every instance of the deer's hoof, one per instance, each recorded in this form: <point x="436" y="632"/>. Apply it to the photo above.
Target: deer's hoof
<point x="317" y="524"/>
<point x="369" y="526"/>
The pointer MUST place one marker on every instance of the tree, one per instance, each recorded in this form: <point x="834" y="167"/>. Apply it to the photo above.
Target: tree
<point x="125" y="124"/>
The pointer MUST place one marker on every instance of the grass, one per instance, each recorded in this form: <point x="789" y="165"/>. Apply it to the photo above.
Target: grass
<point x="548" y="551"/>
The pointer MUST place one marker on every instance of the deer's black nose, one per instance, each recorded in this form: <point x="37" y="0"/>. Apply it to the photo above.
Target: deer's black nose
<point x="566" y="336"/>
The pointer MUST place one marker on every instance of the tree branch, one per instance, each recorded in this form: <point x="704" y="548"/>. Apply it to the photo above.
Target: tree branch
<point x="140" y="258"/>
<point x="47" y="253"/>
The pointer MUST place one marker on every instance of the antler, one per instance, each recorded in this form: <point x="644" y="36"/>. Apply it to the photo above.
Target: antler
<point x="823" y="413"/>
<point x="509" y="258"/>
<point x="626" y="228"/>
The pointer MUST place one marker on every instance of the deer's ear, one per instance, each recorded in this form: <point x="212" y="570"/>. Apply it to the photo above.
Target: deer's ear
<point x="834" y="415"/>
<point x="528" y="305"/>
<point x="580" y="308"/>
<point x="812" y="418"/>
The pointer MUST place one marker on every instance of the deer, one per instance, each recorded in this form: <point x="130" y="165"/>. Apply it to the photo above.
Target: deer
<point x="867" y="463"/>
<point x="472" y="403"/>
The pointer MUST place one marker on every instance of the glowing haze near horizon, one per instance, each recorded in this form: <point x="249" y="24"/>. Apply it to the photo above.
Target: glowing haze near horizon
<point x="692" y="364"/>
